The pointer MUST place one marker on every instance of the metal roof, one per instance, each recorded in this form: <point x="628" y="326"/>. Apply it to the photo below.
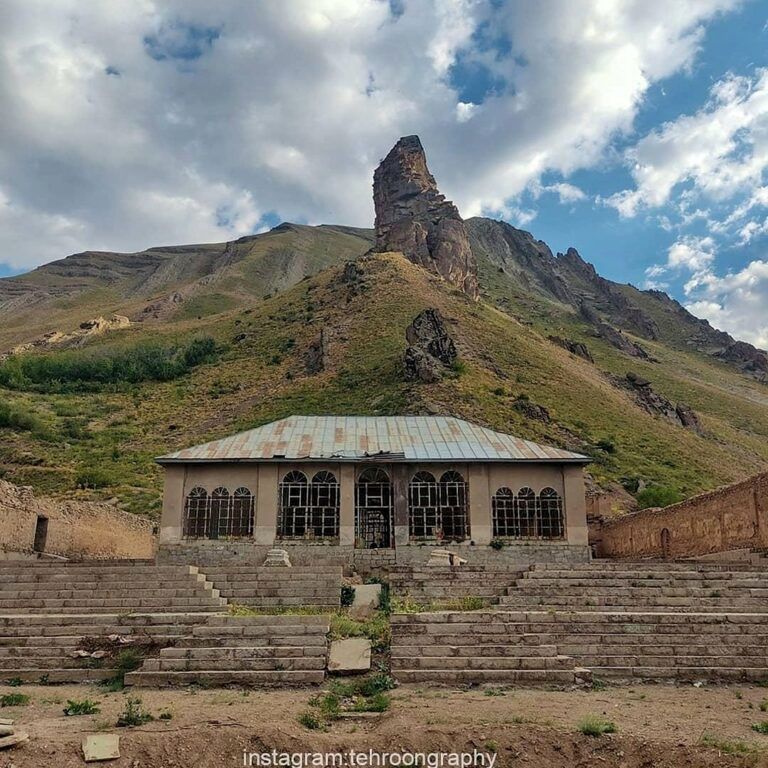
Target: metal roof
<point x="372" y="438"/>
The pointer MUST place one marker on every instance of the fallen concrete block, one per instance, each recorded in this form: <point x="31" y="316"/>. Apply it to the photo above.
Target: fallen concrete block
<point x="366" y="600"/>
<point x="278" y="557"/>
<point x="101" y="746"/>
<point x="14" y="739"/>
<point x="350" y="655"/>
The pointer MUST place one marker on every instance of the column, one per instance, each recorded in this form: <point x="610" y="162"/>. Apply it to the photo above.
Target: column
<point x="479" y="503"/>
<point x="347" y="505"/>
<point x="400" y="478"/>
<point x="575" y="503"/>
<point x="172" y="520"/>
<point x="265" y="525"/>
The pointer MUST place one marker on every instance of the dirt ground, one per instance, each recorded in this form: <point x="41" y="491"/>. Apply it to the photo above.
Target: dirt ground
<point x="657" y="725"/>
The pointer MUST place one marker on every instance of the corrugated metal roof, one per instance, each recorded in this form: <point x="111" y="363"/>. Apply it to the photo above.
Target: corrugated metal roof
<point x="381" y="438"/>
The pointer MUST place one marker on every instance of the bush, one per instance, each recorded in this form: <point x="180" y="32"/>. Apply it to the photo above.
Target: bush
<point x="17" y="419"/>
<point x="497" y="544"/>
<point x="84" y="707"/>
<point x="761" y="727"/>
<point x="311" y="721"/>
<point x="604" y="444"/>
<point x="592" y="725"/>
<point x="658" y="496"/>
<point x="134" y="714"/>
<point x="14" y="700"/>
<point x="347" y="595"/>
<point x="94" y="370"/>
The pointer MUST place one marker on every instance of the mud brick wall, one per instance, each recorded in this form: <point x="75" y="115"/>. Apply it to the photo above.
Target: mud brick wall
<point x="77" y="530"/>
<point x="732" y="517"/>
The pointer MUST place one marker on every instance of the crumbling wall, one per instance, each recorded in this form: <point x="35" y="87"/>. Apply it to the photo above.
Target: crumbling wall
<point x="732" y="517"/>
<point x="77" y="530"/>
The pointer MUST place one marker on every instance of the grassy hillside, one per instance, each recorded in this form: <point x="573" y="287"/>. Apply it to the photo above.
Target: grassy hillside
<point x="101" y="443"/>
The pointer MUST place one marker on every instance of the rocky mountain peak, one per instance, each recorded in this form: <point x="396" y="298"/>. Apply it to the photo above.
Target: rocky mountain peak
<point x="414" y="218"/>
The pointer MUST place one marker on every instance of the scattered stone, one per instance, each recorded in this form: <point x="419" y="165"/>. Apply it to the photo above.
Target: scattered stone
<point x="6" y="721"/>
<point x="578" y="348"/>
<point x="365" y="601"/>
<point x="688" y="417"/>
<point x="444" y="557"/>
<point x="431" y="350"/>
<point x="317" y="354"/>
<point x="414" y="218"/>
<point x="7" y="730"/>
<point x="350" y="655"/>
<point x="101" y="746"/>
<point x="14" y="739"/>
<point x="656" y="404"/>
<point x="278" y="558"/>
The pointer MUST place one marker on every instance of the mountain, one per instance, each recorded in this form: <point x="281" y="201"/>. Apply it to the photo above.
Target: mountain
<point x="325" y="320"/>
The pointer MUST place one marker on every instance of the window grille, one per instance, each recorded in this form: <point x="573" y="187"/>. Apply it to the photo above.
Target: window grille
<point x="551" y="514"/>
<point x="528" y="516"/>
<point x="220" y="514"/>
<point x="373" y="509"/>
<point x="196" y="510"/>
<point x="503" y="512"/>
<point x="309" y="510"/>
<point x="438" y="510"/>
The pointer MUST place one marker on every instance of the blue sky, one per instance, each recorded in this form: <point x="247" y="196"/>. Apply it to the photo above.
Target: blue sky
<point x="633" y="130"/>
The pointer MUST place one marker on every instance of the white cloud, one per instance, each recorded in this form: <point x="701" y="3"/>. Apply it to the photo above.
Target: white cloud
<point x="737" y="303"/>
<point x="719" y="152"/>
<point x="693" y="253"/>
<point x="126" y="125"/>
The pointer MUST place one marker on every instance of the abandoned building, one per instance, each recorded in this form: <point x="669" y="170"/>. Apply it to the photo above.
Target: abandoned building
<point x="375" y="485"/>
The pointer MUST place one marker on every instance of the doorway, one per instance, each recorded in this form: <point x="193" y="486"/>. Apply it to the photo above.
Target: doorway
<point x="665" y="543"/>
<point x="41" y="534"/>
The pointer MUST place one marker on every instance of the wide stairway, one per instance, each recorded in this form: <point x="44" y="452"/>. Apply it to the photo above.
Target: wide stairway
<point x="658" y="586"/>
<point x="255" y="650"/>
<point x="104" y="587"/>
<point x="269" y="587"/>
<point x="474" y="647"/>
<point x="426" y="584"/>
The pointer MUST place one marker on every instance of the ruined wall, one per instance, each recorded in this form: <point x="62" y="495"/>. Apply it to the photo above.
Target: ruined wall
<point x="731" y="517"/>
<point x="78" y="530"/>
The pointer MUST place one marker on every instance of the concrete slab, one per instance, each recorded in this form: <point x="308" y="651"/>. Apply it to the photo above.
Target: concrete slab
<point x="101" y="746"/>
<point x="350" y="655"/>
<point x="366" y="600"/>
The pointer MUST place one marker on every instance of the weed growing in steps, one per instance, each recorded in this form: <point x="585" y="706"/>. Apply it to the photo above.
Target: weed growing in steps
<point x="77" y="707"/>
<point x="14" y="700"/>
<point x="592" y="725"/>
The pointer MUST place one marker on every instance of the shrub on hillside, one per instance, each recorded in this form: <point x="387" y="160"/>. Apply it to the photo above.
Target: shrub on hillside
<point x="92" y="370"/>
<point x="13" y="417"/>
<point x="658" y="496"/>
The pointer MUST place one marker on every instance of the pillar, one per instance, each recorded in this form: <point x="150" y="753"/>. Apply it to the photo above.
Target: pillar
<point x="265" y="525"/>
<point x="480" y="503"/>
<point x="575" y="503"/>
<point x="172" y="520"/>
<point x="400" y="479"/>
<point x="347" y="505"/>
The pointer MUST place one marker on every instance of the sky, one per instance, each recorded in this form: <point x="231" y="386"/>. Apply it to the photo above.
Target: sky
<point x="635" y="131"/>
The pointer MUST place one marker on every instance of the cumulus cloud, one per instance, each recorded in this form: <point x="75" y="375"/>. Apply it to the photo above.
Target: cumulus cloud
<point x="127" y="125"/>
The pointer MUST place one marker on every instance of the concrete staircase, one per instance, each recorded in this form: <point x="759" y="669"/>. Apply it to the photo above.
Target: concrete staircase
<point x="270" y="587"/>
<point x="649" y="587"/>
<point x="474" y="647"/>
<point x="255" y="650"/>
<point x="104" y="587"/>
<point x="434" y="584"/>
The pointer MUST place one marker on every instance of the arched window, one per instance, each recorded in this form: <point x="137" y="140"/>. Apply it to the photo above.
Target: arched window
<point x="373" y="509"/>
<point x="239" y="522"/>
<point x="550" y="514"/>
<point x="452" y="496"/>
<point x="422" y="506"/>
<point x="323" y="520"/>
<point x="219" y="511"/>
<point x="196" y="513"/>
<point x="294" y="506"/>
<point x="525" y="514"/>
<point x="503" y="508"/>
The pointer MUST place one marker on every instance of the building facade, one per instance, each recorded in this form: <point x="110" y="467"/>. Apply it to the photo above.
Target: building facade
<point x="347" y="488"/>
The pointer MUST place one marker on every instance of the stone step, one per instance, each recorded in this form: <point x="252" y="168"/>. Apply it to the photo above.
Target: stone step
<point x="29" y="675"/>
<point x="103" y="606"/>
<point x="265" y="678"/>
<point x="233" y="653"/>
<point x="647" y="565"/>
<point x="483" y="662"/>
<point x="619" y="604"/>
<point x="126" y="593"/>
<point x="407" y="651"/>
<point x="722" y="674"/>
<point x="572" y="646"/>
<point x="62" y="662"/>
<point x="709" y="582"/>
<point x="693" y="592"/>
<point x="673" y="661"/>
<point x="469" y="676"/>
<point x="246" y="664"/>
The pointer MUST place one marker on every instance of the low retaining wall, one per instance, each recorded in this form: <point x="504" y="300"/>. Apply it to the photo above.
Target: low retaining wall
<point x="369" y="561"/>
<point x="732" y="517"/>
<point x="76" y="530"/>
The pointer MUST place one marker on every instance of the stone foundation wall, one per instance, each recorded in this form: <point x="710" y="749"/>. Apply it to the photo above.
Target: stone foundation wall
<point x="731" y="517"/>
<point x="77" y="530"/>
<point x="370" y="561"/>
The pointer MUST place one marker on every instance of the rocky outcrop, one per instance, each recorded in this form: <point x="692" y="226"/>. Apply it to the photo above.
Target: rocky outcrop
<point x="431" y="350"/>
<point x="656" y="404"/>
<point x="578" y="348"/>
<point x="414" y="218"/>
<point x="531" y="410"/>
<point x="749" y="359"/>
<point x="608" y="333"/>
<point x="315" y="359"/>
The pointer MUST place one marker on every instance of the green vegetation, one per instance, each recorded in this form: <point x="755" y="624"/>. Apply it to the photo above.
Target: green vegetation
<point x="14" y="700"/>
<point x="133" y="714"/>
<point x="81" y="707"/>
<point x="467" y="603"/>
<point x="729" y="746"/>
<point x="761" y="727"/>
<point x="592" y="725"/>
<point x="376" y="628"/>
<point x="367" y="694"/>
<point x="658" y="496"/>
<point x="126" y="660"/>
<point x="110" y="368"/>
<point x="13" y="417"/>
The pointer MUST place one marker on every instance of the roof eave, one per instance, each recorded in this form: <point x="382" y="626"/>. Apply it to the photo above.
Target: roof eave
<point x="373" y="459"/>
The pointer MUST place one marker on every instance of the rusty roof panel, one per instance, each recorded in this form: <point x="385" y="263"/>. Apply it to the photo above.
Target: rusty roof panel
<point x="358" y="438"/>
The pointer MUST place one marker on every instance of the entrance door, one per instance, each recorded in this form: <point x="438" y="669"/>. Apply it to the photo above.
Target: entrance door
<point x="41" y="534"/>
<point x="373" y="510"/>
<point x="665" y="543"/>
